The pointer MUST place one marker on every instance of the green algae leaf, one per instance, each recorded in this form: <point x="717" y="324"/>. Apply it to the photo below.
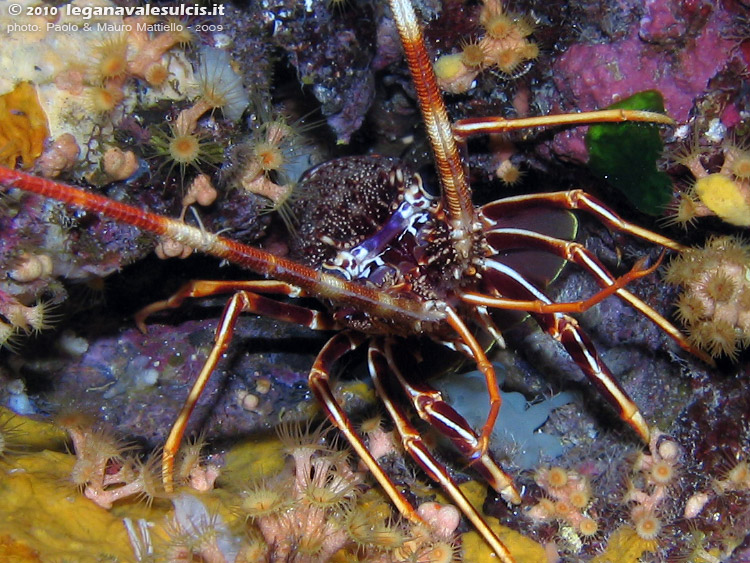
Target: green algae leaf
<point x="625" y="155"/>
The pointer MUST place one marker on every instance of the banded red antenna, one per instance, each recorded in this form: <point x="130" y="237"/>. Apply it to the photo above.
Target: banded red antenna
<point x="450" y="167"/>
<point x="259" y="261"/>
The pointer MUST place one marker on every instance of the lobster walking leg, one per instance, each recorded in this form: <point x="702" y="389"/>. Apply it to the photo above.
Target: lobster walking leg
<point x="319" y="382"/>
<point x="207" y="288"/>
<point x="575" y="252"/>
<point x="538" y="306"/>
<point x="465" y="128"/>
<point x="493" y="388"/>
<point x="380" y="369"/>
<point x="429" y="404"/>
<point x="577" y="200"/>
<point x="240" y="302"/>
<point x="565" y="329"/>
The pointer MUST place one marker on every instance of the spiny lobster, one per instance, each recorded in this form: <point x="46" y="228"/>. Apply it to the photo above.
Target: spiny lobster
<point x="426" y="268"/>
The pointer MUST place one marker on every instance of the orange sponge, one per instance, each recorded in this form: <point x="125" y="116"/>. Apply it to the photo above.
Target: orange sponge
<point x="23" y="126"/>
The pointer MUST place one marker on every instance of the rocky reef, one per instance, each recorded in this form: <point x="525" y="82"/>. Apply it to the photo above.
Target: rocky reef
<point x="213" y="119"/>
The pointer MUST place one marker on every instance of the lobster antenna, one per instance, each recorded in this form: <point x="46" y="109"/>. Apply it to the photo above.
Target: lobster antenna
<point x="457" y="196"/>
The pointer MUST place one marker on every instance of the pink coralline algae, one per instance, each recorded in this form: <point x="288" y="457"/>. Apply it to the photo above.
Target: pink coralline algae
<point x="676" y="48"/>
<point x="665" y="21"/>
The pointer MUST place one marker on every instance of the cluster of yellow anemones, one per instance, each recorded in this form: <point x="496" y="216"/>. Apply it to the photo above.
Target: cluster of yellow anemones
<point x="504" y="46"/>
<point x="715" y="303"/>
<point x="567" y="499"/>
<point x="264" y="164"/>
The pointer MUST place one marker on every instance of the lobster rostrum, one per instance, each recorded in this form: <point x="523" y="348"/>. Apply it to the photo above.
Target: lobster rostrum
<point x="393" y="265"/>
